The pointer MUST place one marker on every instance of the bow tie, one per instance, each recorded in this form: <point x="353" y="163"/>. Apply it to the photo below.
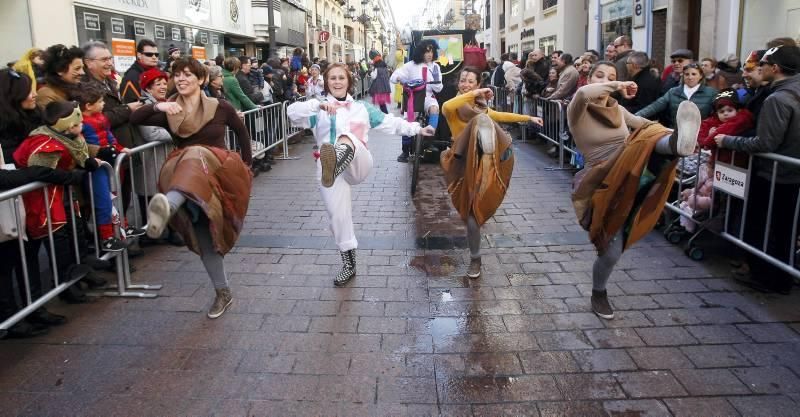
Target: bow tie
<point x="345" y="104"/>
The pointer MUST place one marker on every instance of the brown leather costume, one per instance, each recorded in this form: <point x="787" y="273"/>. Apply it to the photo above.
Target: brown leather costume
<point x="477" y="182"/>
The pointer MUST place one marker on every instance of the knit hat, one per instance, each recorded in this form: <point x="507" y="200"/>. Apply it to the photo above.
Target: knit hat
<point x="786" y="57"/>
<point x="149" y="76"/>
<point x="173" y="48"/>
<point x="62" y="115"/>
<point x="726" y="97"/>
<point x="752" y="60"/>
<point x="316" y="67"/>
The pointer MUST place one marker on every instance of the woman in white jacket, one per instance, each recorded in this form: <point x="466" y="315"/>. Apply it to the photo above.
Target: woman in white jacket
<point x="340" y="126"/>
<point x="422" y="67"/>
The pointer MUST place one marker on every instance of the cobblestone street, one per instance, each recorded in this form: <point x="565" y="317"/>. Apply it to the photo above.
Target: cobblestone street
<point x="410" y="335"/>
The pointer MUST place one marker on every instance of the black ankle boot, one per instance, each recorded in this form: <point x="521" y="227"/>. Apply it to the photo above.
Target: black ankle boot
<point x="348" y="271"/>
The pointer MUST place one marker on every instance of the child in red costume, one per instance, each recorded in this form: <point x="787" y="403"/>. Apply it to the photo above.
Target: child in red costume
<point x="103" y="145"/>
<point x="729" y="118"/>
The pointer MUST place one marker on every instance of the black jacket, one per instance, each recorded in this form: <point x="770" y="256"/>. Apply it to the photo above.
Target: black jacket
<point x="12" y="136"/>
<point x="130" y="89"/>
<point x="18" y="177"/>
<point x="251" y="93"/>
<point x="649" y="90"/>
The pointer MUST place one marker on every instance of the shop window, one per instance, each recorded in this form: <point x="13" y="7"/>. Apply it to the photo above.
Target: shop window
<point x="547" y="44"/>
<point x="616" y="19"/>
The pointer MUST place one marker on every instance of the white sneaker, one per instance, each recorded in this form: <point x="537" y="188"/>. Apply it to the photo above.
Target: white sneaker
<point x="486" y="134"/>
<point x="687" y="123"/>
<point x="158" y="213"/>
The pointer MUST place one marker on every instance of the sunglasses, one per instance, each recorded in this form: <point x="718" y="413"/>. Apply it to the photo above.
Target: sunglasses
<point x="150" y="54"/>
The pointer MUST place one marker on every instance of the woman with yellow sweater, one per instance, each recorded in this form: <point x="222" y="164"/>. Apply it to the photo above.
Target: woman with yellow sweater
<point x="469" y="93"/>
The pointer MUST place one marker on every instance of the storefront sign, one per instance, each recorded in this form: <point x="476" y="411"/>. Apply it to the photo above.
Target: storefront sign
<point x="188" y="35"/>
<point x="160" y="33"/>
<point x="639" y="17"/>
<point x="527" y="33"/>
<point x="138" y="28"/>
<point x="730" y="179"/>
<point x="124" y="51"/>
<point x="198" y="52"/>
<point x="144" y="7"/>
<point x="176" y="34"/>
<point x="324" y="36"/>
<point x="204" y="38"/>
<point x="117" y="26"/>
<point x="91" y="21"/>
<point x="215" y="39"/>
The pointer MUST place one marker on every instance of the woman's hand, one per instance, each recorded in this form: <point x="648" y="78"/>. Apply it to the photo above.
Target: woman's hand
<point x="126" y="150"/>
<point x="328" y="107"/>
<point x="718" y="139"/>
<point x="628" y="89"/>
<point x="428" y="131"/>
<point x="169" y="107"/>
<point x="486" y="93"/>
<point x="537" y="120"/>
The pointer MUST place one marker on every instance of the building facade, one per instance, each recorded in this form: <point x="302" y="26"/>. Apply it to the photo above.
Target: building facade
<point x="200" y="28"/>
<point x="710" y="28"/>
<point x="523" y="25"/>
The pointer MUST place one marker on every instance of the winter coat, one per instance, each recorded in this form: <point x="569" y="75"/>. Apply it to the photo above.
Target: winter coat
<point x="778" y="131"/>
<point x="130" y="89"/>
<point x="118" y="115"/>
<point x="244" y="81"/>
<point x="233" y="92"/>
<point x="567" y="84"/>
<point x="649" y="89"/>
<point x="621" y="64"/>
<point x="97" y="132"/>
<point x="742" y="122"/>
<point x="674" y="97"/>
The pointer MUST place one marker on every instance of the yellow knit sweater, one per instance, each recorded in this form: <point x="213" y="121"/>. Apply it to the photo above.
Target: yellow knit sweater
<point x="450" y="107"/>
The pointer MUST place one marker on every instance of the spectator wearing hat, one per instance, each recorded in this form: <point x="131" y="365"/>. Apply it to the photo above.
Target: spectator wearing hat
<point x="778" y="131"/>
<point x="173" y="53"/>
<point x="679" y="58"/>
<point x="146" y="58"/>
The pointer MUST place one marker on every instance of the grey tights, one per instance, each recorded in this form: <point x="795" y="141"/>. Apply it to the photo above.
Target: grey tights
<point x="473" y="237"/>
<point x="212" y="260"/>
<point x="604" y="264"/>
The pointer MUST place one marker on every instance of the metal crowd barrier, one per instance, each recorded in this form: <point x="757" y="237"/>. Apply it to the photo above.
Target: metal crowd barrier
<point x="60" y="283"/>
<point x="749" y="222"/>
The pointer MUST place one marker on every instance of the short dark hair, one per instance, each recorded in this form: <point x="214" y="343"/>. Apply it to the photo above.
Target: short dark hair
<point x="566" y="59"/>
<point x="424" y="46"/>
<point x="244" y="59"/>
<point x="90" y="92"/>
<point x="593" y="52"/>
<point x="625" y="40"/>
<point x="194" y="66"/>
<point x="557" y="52"/>
<point x="512" y="56"/>
<point x="784" y="41"/>
<point x="145" y="42"/>
<point x="58" y="57"/>
<point x="473" y="70"/>
<point x="504" y="57"/>
<point x="638" y="58"/>
<point x="219" y="60"/>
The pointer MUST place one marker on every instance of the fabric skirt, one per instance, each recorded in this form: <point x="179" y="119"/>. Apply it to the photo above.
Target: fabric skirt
<point x="381" y="98"/>
<point x="215" y="181"/>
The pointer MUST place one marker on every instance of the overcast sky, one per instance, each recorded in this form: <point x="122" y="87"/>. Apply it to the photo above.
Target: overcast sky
<point x="404" y="9"/>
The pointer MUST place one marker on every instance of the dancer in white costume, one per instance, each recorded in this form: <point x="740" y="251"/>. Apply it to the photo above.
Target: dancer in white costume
<point x="340" y="126"/>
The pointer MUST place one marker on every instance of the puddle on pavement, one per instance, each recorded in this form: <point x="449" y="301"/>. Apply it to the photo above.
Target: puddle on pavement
<point x="437" y="224"/>
<point x="435" y="265"/>
<point x="447" y="327"/>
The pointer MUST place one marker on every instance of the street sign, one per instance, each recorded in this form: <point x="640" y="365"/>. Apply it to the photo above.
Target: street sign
<point x="324" y="36"/>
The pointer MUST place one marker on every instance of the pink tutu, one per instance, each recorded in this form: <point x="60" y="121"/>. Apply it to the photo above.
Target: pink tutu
<point x="381" y="98"/>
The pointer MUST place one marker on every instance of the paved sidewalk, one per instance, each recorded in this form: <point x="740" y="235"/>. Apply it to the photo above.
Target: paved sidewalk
<point x="410" y="336"/>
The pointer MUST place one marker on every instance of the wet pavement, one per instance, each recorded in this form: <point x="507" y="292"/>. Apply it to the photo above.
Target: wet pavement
<point x="410" y="336"/>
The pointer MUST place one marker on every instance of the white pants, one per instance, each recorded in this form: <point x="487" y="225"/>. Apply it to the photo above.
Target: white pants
<point x="338" y="199"/>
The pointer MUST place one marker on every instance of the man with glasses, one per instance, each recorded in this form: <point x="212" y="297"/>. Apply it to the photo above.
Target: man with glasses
<point x="778" y="131"/>
<point x="100" y="68"/>
<point x="679" y="58"/>
<point x="146" y="58"/>
<point x="623" y="47"/>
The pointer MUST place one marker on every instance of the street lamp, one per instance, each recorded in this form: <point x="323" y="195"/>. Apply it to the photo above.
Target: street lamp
<point x="363" y="18"/>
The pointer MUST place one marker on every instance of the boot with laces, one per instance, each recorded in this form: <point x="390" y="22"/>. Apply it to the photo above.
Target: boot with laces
<point x="334" y="159"/>
<point x="348" y="271"/>
<point x="222" y="301"/>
